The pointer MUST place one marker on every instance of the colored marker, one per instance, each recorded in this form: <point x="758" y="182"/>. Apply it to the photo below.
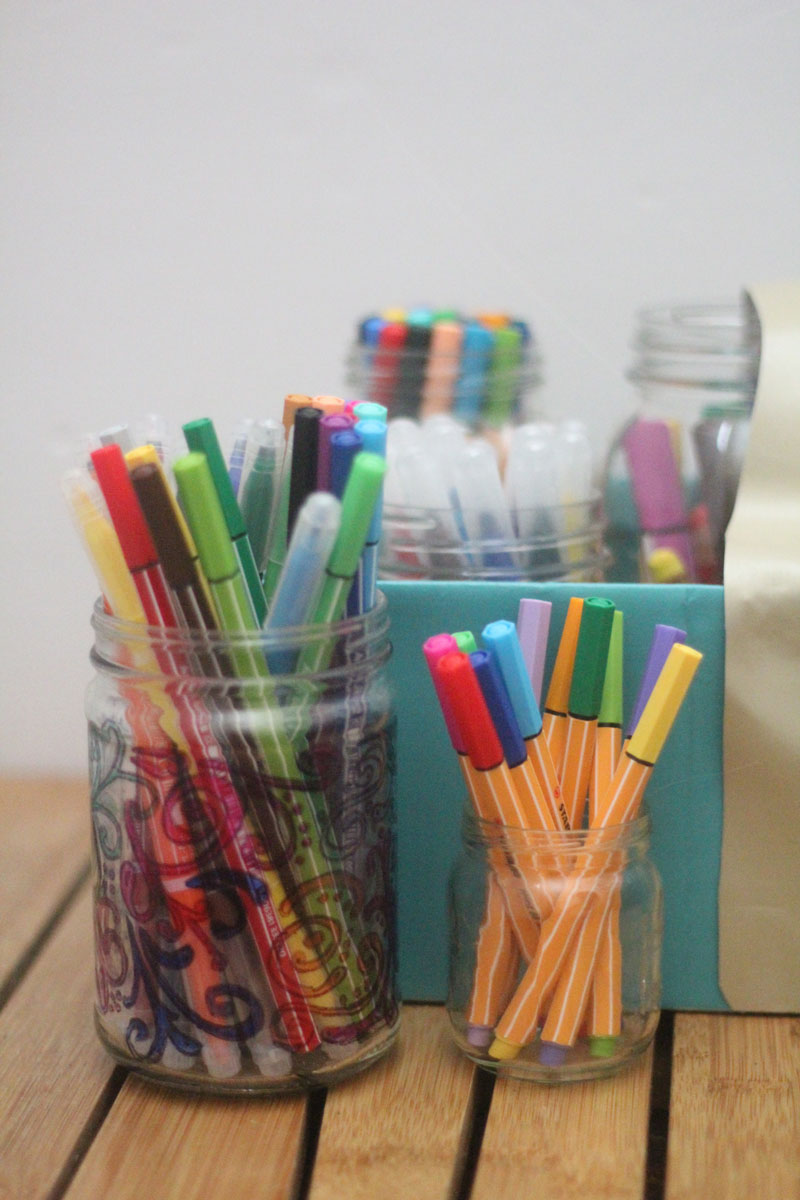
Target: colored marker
<point x="533" y="630"/>
<point x="304" y="461"/>
<point x="344" y="447"/>
<point x="586" y="691"/>
<point x="330" y="424"/>
<point x="465" y="641"/>
<point x="554" y="716"/>
<point x="372" y="432"/>
<point x="663" y="639"/>
<point x="608" y="735"/>
<point x="259" y="490"/>
<point x="500" y="639"/>
<point x="386" y="363"/>
<point x="201" y="436"/>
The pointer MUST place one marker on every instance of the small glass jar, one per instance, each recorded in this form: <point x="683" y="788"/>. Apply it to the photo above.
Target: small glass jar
<point x="673" y="470"/>
<point x="243" y="853"/>
<point x="555" y="949"/>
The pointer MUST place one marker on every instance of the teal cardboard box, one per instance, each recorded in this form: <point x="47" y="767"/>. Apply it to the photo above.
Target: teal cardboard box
<point x="684" y="796"/>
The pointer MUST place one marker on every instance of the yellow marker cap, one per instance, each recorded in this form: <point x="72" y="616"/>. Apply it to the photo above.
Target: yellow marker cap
<point x="557" y="698"/>
<point x="503" y="1050"/>
<point x="102" y="545"/>
<point x="665" y="700"/>
<point x="665" y="566"/>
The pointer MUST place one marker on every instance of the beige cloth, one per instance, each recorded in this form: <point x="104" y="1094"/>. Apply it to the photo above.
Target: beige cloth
<point x="759" y="895"/>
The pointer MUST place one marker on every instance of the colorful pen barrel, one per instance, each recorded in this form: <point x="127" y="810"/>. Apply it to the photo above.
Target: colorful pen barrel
<point x="586" y="689"/>
<point x="554" y="714"/>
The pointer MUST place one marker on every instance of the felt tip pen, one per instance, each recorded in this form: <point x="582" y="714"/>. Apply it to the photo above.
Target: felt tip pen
<point x="465" y="641"/>
<point x="330" y="424"/>
<point x="236" y="459"/>
<point x="372" y="432"/>
<point x="608" y="735"/>
<point x="501" y="640"/>
<point x="586" y="690"/>
<point x="344" y="447"/>
<point x="304" y="461"/>
<point x="90" y="516"/>
<point x="201" y="437"/>
<point x="663" y="639"/>
<point x="554" y="714"/>
<point x="358" y="501"/>
<point x="533" y="630"/>
<point x="259" y="487"/>
<point x="434" y="649"/>
<point x="134" y="537"/>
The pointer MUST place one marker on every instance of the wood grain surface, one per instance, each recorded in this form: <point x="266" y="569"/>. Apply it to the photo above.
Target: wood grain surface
<point x="570" y="1142"/>
<point x="394" y="1131"/>
<point x="734" y="1129"/>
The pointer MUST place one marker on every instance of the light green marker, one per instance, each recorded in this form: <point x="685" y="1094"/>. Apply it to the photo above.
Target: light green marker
<point x="311" y="864"/>
<point x="465" y="640"/>
<point x="360" y="497"/>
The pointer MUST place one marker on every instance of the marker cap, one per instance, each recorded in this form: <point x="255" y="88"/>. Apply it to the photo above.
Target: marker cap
<point x="290" y="405"/>
<point x="123" y="507"/>
<point x="663" y="639"/>
<point x="344" y="446"/>
<point x="173" y="552"/>
<point x="500" y="638"/>
<point x="665" y="700"/>
<point x="435" y="648"/>
<point x="469" y="709"/>
<point x="204" y="514"/>
<point x="499" y="706"/>
<point x="465" y="640"/>
<point x="202" y="437"/>
<point x="610" y="711"/>
<point x="533" y="628"/>
<point x="591" y="655"/>
<point x="368" y="410"/>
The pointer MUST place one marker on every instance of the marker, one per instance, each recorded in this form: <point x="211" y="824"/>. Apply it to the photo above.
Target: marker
<point x="134" y="536"/>
<point x="663" y="639"/>
<point x="532" y="810"/>
<point x="554" y="716"/>
<point x="141" y="456"/>
<point x="364" y="410"/>
<point x="372" y="432"/>
<point x="476" y="349"/>
<point x="201" y="436"/>
<point x="90" y="516"/>
<point x="658" y="490"/>
<point x="385" y="364"/>
<point x="442" y="368"/>
<point x="304" y="461"/>
<point x="503" y="371"/>
<point x="236" y="460"/>
<point x="300" y="581"/>
<point x="484" y="511"/>
<point x="291" y="403"/>
<point x="500" y="639"/>
<point x="359" y="499"/>
<point x="608" y="735"/>
<point x="533" y="630"/>
<point x="586" y="690"/>
<point x="411" y="369"/>
<point x="465" y="641"/>
<point x="344" y="448"/>
<point x="259" y="490"/>
<point x="330" y="424"/>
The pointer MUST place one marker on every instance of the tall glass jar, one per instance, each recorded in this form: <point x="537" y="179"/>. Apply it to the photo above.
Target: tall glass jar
<point x="673" y="470"/>
<point x="555" y="949"/>
<point x="243" y="853"/>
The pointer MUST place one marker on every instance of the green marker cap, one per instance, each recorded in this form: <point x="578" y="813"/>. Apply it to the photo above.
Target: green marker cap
<point x="603" y="1045"/>
<point x="611" y="702"/>
<point x="201" y="436"/>
<point x="358" y="502"/>
<point x="204" y="514"/>
<point x="465" y="640"/>
<point x="591" y="655"/>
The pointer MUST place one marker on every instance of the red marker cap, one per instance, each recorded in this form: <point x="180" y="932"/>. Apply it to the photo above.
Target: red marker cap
<point x="465" y="698"/>
<point x="123" y="507"/>
<point x="393" y="334"/>
<point x="434" y="649"/>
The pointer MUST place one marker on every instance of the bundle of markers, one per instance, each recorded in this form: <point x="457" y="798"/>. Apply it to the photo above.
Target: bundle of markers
<point x="460" y="506"/>
<point x="236" y="773"/>
<point x="548" y="960"/>
<point x="422" y="362"/>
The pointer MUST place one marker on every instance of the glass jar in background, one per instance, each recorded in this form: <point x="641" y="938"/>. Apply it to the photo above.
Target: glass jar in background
<point x="243" y="853"/>
<point x="673" y="471"/>
<point x="555" y="949"/>
<point x="482" y="369"/>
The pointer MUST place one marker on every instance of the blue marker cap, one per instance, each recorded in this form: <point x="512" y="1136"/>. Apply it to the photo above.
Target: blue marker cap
<point x="373" y="438"/>
<point x="371" y="330"/>
<point x="499" y="706"/>
<point x="502" y="641"/>
<point x="344" y="447"/>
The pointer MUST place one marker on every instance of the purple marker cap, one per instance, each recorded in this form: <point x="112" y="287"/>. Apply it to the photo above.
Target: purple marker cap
<point x="330" y="424"/>
<point x="479" y="1036"/>
<point x="664" y="638"/>
<point x="533" y="628"/>
<point x="435" y="648"/>
<point x="551" y="1054"/>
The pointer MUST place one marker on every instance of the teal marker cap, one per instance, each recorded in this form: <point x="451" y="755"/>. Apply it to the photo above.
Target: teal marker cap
<point x="204" y="514"/>
<point x="610" y="712"/>
<point x="201" y="436"/>
<point x="591" y="656"/>
<point x="360" y="497"/>
<point x="502" y="641"/>
<point x="465" y="640"/>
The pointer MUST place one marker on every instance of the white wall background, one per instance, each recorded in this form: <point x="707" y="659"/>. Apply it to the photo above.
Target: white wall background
<point x="198" y="199"/>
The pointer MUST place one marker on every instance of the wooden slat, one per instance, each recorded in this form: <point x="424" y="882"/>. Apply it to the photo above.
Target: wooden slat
<point x="157" y="1144"/>
<point x="394" y="1131"/>
<point x="567" y="1142"/>
<point x="52" y="1068"/>
<point x="45" y="841"/>
<point x="734" y="1131"/>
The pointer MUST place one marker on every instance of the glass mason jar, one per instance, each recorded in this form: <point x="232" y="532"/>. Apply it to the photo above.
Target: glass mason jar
<point x="555" y="949"/>
<point x="673" y="469"/>
<point x="243" y="853"/>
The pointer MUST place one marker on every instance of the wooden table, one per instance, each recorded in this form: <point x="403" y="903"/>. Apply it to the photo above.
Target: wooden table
<point x="712" y="1112"/>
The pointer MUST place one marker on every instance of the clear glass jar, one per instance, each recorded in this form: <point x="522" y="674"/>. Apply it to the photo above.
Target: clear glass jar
<point x="673" y="470"/>
<point x="555" y="949"/>
<point x="243" y="853"/>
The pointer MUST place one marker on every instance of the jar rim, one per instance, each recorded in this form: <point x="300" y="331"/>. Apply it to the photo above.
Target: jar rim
<point x="478" y="831"/>
<point x="358" y="633"/>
